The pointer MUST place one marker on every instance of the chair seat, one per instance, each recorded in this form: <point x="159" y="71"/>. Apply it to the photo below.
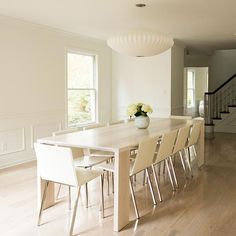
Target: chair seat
<point x="86" y="175"/>
<point x="111" y="168"/>
<point x="101" y="153"/>
<point x="89" y="161"/>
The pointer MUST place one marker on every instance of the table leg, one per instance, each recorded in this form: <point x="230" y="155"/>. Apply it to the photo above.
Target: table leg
<point x="200" y="146"/>
<point x="50" y="197"/>
<point x="121" y="190"/>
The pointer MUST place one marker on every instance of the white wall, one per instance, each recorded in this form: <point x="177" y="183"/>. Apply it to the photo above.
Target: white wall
<point x="177" y="80"/>
<point x="32" y="88"/>
<point x="223" y="66"/>
<point x="145" y="79"/>
<point x="201" y="86"/>
<point x="197" y="60"/>
<point x="201" y="83"/>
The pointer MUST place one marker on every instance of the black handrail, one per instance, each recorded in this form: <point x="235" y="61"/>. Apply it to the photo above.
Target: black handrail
<point x="226" y="82"/>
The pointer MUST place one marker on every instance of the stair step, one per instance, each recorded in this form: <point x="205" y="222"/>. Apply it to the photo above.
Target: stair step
<point x="217" y="118"/>
<point x="224" y="112"/>
<point x="231" y="105"/>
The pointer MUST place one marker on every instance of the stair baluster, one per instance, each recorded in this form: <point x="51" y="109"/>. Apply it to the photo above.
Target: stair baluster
<point x="218" y="101"/>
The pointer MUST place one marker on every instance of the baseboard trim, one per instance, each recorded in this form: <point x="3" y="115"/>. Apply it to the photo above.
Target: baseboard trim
<point x="17" y="162"/>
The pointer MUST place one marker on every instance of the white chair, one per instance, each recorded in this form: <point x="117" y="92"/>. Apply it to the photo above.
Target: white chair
<point x="93" y="126"/>
<point x="87" y="160"/>
<point x="143" y="161"/>
<point x="97" y="152"/>
<point x="163" y="153"/>
<point x="55" y="164"/>
<point x="192" y="140"/>
<point x="182" y="117"/>
<point x="100" y="154"/>
<point x="180" y="144"/>
<point x="116" y="122"/>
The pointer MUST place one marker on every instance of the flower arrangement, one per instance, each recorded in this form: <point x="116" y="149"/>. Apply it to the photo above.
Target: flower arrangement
<point x="138" y="109"/>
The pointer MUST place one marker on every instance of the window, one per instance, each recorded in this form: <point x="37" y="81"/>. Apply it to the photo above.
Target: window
<point x="191" y="89"/>
<point x="81" y="89"/>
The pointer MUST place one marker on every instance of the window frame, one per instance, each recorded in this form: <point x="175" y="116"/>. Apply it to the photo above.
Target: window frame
<point x="95" y="85"/>
<point x="192" y="89"/>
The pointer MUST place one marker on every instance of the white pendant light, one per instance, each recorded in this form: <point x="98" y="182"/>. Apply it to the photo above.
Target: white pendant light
<point x="140" y="43"/>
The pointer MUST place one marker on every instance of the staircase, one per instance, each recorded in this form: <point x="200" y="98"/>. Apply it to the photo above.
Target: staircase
<point x="220" y="107"/>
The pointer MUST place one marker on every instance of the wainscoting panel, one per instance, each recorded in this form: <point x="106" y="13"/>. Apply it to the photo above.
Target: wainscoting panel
<point x="12" y="141"/>
<point x="18" y="132"/>
<point x="43" y="130"/>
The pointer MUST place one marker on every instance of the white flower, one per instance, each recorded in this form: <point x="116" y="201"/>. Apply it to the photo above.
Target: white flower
<point x="146" y="108"/>
<point x="132" y="109"/>
<point x="138" y="109"/>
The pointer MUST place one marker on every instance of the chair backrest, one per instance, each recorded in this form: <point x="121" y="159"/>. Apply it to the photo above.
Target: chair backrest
<point x="116" y="122"/>
<point x="166" y="146"/>
<point x="182" y="117"/>
<point x="55" y="164"/>
<point x="66" y="131"/>
<point x="94" y="126"/>
<point x="194" y="134"/>
<point x="145" y="154"/>
<point x="182" y="138"/>
<point x="77" y="152"/>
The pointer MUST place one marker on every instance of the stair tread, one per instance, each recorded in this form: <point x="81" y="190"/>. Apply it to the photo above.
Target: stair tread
<point x="231" y="105"/>
<point x="217" y="118"/>
<point x="225" y="112"/>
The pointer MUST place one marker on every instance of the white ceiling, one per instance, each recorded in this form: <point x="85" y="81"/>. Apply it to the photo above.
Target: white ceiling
<point x="205" y="25"/>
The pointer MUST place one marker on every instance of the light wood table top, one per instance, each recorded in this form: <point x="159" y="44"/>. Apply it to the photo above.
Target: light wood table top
<point x="116" y="137"/>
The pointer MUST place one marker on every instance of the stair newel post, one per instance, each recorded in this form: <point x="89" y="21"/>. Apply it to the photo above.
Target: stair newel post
<point x="224" y="100"/>
<point x="217" y="104"/>
<point x="229" y="98"/>
<point x="233" y="94"/>
<point x="207" y="108"/>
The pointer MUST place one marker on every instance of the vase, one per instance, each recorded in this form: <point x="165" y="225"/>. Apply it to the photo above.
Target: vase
<point x="142" y="122"/>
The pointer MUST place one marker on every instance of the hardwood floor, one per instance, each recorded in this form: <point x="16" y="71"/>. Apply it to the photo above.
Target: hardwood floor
<point x="203" y="206"/>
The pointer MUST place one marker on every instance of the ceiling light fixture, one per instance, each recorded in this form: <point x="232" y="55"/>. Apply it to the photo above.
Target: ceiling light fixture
<point x="140" y="43"/>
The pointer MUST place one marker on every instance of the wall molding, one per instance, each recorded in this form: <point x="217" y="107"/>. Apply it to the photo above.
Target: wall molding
<point x="33" y="128"/>
<point x="20" y="149"/>
<point x="31" y="114"/>
<point x="24" y="130"/>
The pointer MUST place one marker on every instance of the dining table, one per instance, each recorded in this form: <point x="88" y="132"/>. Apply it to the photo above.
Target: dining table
<point x="119" y="139"/>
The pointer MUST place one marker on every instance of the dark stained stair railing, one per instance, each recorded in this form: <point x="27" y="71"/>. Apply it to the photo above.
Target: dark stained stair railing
<point x="219" y="101"/>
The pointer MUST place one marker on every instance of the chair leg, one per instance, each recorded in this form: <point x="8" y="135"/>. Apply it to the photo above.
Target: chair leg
<point x="112" y="179"/>
<point x="173" y="171"/>
<point x="42" y="202"/>
<point x="187" y="153"/>
<point x="182" y="161"/>
<point x="144" y="177"/>
<point x="108" y="184"/>
<point x="133" y="198"/>
<point x="74" y="213"/>
<point x="151" y="187"/>
<point x="168" y="170"/>
<point x="86" y="193"/>
<point x="159" y="168"/>
<point x="58" y="192"/>
<point x="102" y="194"/>
<point x="157" y="184"/>
<point x="69" y="202"/>
<point x="194" y="150"/>
<point x="164" y="167"/>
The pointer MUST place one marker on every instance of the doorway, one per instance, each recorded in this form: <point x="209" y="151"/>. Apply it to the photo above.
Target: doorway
<point x="195" y="85"/>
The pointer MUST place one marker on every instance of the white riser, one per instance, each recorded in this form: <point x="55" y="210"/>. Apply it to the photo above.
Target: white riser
<point x="228" y="122"/>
